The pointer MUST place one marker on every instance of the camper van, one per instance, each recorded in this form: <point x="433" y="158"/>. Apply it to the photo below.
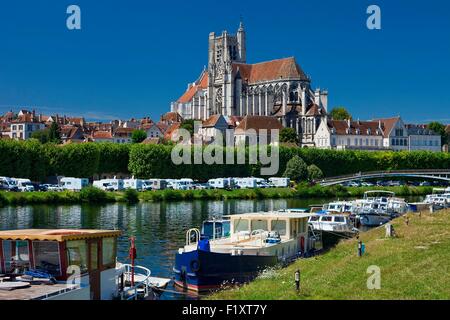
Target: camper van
<point x="280" y="182"/>
<point x="246" y="183"/>
<point x="155" y="184"/>
<point x="8" y="184"/>
<point x="24" y="185"/>
<point x="219" y="183"/>
<point x="136" y="184"/>
<point x="109" y="184"/>
<point x="74" y="184"/>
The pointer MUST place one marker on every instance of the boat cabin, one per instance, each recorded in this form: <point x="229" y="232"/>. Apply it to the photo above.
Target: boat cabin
<point x="61" y="254"/>
<point x="216" y="229"/>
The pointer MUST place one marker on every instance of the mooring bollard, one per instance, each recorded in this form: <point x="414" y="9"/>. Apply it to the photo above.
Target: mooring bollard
<point x="431" y="209"/>
<point x="359" y="248"/>
<point x="297" y="280"/>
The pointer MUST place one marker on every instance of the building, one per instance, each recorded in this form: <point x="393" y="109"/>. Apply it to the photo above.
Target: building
<point x="102" y="136"/>
<point x="347" y="134"/>
<point x="152" y="130"/>
<point x="71" y="133"/>
<point x="395" y="133"/>
<point x="214" y="126"/>
<point x="253" y="125"/>
<point x="123" y="135"/>
<point x="23" y="127"/>
<point x="232" y="87"/>
<point x="422" y="138"/>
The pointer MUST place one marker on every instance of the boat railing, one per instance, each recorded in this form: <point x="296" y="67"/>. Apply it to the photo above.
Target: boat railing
<point x="192" y="240"/>
<point x="143" y="282"/>
<point x="259" y="234"/>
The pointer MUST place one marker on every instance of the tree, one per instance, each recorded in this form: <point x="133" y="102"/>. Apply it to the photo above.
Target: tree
<point x="137" y="136"/>
<point x="340" y="113"/>
<point x="41" y="135"/>
<point x="188" y="125"/>
<point x="54" y="134"/>
<point x="289" y="135"/>
<point x="439" y="128"/>
<point x="314" y="173"/>
<point x="296" y="169"/>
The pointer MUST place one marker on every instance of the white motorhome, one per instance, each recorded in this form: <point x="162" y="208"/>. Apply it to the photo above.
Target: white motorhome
<point x="136" y="184"/>
<point x="280" y="182"/>
<point x="74" y="184"/>
<point x="9" y="184"/>
<point x="246" y="183"/>
<point x="24" y="185"/>
<point x="219" y="183"/>
<point x="106" y="184"/>
<point x="155" y="184"/>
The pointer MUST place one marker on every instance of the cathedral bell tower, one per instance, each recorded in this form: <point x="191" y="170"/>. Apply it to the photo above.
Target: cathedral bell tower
<point x="223" y="50"/>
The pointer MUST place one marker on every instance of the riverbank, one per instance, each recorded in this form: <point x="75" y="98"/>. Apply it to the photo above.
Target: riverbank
<point x="93" y="195"/>
<point x="413" y="266"/>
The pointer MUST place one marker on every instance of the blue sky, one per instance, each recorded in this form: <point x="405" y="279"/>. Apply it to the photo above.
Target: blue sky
<point x="132" y="58"/>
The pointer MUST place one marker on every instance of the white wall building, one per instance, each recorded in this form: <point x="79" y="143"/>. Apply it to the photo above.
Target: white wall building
<point x="347" y="134"/>
<point x="421" y="138"/>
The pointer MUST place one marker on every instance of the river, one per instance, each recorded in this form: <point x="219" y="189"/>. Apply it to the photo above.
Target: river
<point x="159" y="228"/>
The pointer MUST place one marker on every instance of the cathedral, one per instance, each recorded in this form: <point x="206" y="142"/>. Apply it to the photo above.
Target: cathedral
<point x="232" y="87"/>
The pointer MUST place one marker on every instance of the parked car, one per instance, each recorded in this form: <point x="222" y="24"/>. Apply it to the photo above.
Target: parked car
<point x="425" y="184"/>
<point x="54" y="187"/>
<point x="366" y="184"/>
<point x="202" y="186"/>
<point x="24" y="185"/>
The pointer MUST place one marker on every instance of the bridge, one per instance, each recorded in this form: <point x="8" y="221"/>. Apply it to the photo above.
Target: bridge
<point x="433" y="174"/>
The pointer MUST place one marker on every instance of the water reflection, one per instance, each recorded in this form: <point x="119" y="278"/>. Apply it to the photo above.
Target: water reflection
<point x="159" y="228"/>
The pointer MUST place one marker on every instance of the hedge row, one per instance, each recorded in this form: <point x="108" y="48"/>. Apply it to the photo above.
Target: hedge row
<point x="36" y="161"/>
<point x="30" y="159"/>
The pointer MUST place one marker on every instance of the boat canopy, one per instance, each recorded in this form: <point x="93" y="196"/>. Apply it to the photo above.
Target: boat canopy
<point x="59" y="235"/>
<point x="271" y="215"/>
<point x="378" y="191"/>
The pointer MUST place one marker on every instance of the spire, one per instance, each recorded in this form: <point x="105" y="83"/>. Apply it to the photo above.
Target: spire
<point x="241" y="25"/>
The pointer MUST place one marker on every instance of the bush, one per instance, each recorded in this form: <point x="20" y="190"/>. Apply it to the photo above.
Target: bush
<point x="92" y="194"/>
<point x="131" y="196"/>
<point x="3" y="200"/>
<point x="296" y="169"/>
<point x="314" y="173"/>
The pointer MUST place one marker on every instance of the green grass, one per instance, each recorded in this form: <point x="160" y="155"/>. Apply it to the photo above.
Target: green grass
<point x="415" y="265"/>
<point x="94" y="195"/>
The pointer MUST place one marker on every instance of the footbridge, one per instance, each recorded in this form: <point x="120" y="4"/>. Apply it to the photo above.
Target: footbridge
<point x="432" y="174"/>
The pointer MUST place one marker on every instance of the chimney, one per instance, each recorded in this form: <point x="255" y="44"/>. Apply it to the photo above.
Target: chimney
<point x="349" y="123"/>
<point x="317" y="97"/>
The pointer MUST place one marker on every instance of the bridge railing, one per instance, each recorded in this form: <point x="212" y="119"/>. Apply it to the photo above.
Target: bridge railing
<point x="368" y="173"/>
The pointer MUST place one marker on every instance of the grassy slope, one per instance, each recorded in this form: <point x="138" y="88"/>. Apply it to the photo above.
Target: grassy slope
<point x="416" y="265"/>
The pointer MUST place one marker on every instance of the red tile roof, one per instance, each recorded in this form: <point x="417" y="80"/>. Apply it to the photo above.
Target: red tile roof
<point x="286" y="68"/>
<point x="201" y="83"/>
<point x="170" y="130"/>
<point x="368" y="128"/>
<point x="102" y="135"/>
<point x="387" y="124"/>
<point x="171" y="117"/>
<point x="257" y="123"/>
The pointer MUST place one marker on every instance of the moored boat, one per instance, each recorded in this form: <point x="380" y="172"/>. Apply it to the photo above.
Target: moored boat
<point x="255" y="242"/>
<point x="66" y="264"/>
